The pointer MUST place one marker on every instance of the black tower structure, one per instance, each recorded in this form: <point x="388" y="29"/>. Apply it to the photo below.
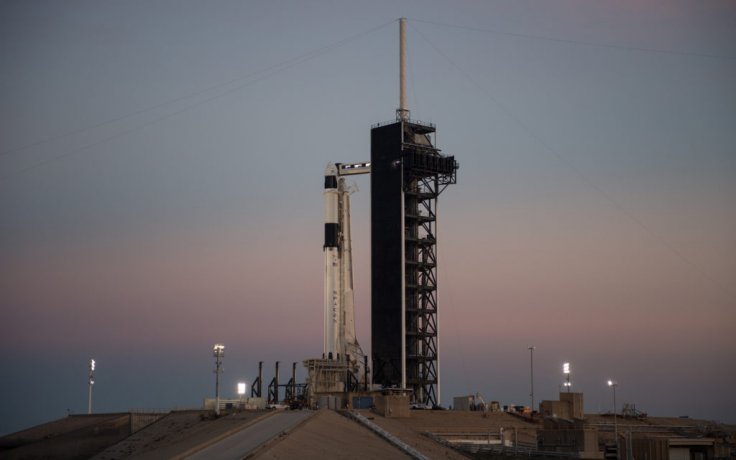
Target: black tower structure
<point x="407" y="175"/>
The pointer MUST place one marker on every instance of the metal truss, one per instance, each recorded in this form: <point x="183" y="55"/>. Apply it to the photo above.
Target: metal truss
<point x="426" y="175"/>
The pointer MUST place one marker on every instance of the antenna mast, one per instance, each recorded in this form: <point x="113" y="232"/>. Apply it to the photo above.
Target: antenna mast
<point x="402" y="113"/>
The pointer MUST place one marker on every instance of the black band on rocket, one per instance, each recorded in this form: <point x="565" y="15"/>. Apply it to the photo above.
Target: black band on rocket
<point x="331" y="230"/>
<point x="330" y="181"/>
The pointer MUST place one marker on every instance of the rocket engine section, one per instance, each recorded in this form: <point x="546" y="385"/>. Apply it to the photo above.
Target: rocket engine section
<point x="340" y="341"/>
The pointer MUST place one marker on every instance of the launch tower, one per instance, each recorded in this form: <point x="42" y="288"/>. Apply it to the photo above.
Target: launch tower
<point x="408" y="173"/>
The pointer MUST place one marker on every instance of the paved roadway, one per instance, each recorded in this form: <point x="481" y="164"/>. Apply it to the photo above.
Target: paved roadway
<point x="248" y="439"/>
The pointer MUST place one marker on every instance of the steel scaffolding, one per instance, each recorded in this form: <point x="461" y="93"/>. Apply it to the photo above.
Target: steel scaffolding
<point x="426" y="174"/>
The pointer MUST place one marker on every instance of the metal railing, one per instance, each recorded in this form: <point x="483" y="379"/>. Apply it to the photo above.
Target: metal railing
<point x="411" y="121"/>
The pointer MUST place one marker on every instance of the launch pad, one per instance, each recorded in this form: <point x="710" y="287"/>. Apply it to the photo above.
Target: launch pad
<point x="408" y="173"/>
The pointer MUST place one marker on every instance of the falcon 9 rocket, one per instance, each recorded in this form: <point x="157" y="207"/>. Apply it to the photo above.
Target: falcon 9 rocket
<point x="340" y="341"/>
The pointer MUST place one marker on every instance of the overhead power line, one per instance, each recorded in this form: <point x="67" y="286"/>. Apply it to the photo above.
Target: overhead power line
<point x="567" y="41"/>
<point x="577" y="171"/>
<point x="248" y="79"/>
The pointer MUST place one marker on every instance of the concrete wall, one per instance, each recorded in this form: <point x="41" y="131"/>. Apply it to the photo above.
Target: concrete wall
<point x="575" y="404"/>
<point x="329" y="401"/>
<point x="570" y="406"/>
<point x="583" y="442"/>
<point x="391" y="405"/>
<point x="667" y="447"/>
<point x="555" y="409"/>
<point x="650" y="448"/>
<point x="462" y="402"/>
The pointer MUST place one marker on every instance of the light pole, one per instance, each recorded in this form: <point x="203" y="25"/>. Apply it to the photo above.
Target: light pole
<point x="90" y="382"/>
<point x="218" y="351"/>
<point x="566" y="371"/>
<point x="613" y="386"/>
<point x="531" y="366"/>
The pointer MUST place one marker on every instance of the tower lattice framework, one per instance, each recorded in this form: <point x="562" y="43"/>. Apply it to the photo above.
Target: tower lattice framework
<point x="408" y="174"/>
<point x="426" y="174"/>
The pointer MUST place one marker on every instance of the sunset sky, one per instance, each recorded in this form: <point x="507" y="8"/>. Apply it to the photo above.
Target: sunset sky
<point x="161" y="183"/>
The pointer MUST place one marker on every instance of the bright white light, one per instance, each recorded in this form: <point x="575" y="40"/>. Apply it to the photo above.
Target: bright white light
<point x="567" y="384"/>
<point x="219" y="349"/>
<point x="611" y="383"/>
<point x="566" y="368"/>
<point x="241" y="388"/>
<point x="91" y="364"/>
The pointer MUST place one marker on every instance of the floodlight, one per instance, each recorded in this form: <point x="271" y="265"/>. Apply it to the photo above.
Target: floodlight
<point x="218" y="351"/>
<point x="566" y="368"/>
<point x="613" y="385"/>
<point x="241" y="388"/>
<point x="531" y="373"/>
<point x="91" y="381"/>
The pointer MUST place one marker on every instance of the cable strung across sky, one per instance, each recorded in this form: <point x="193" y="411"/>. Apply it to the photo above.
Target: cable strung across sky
<point x="252" y="78"/>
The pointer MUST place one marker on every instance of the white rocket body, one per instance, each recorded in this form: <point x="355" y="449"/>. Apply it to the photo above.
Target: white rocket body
<point x="332" y="295"/>
<point x="340" y="341"/>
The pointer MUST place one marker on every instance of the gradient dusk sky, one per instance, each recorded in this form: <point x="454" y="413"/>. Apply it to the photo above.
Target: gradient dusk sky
<point x="161" y="190"/>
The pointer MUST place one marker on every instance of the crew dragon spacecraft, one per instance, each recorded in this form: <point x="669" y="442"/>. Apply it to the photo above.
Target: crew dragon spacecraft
<point x="340" y="342"/>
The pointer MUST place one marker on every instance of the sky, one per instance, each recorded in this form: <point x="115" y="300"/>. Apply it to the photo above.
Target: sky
<point x="161" y="182"/>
